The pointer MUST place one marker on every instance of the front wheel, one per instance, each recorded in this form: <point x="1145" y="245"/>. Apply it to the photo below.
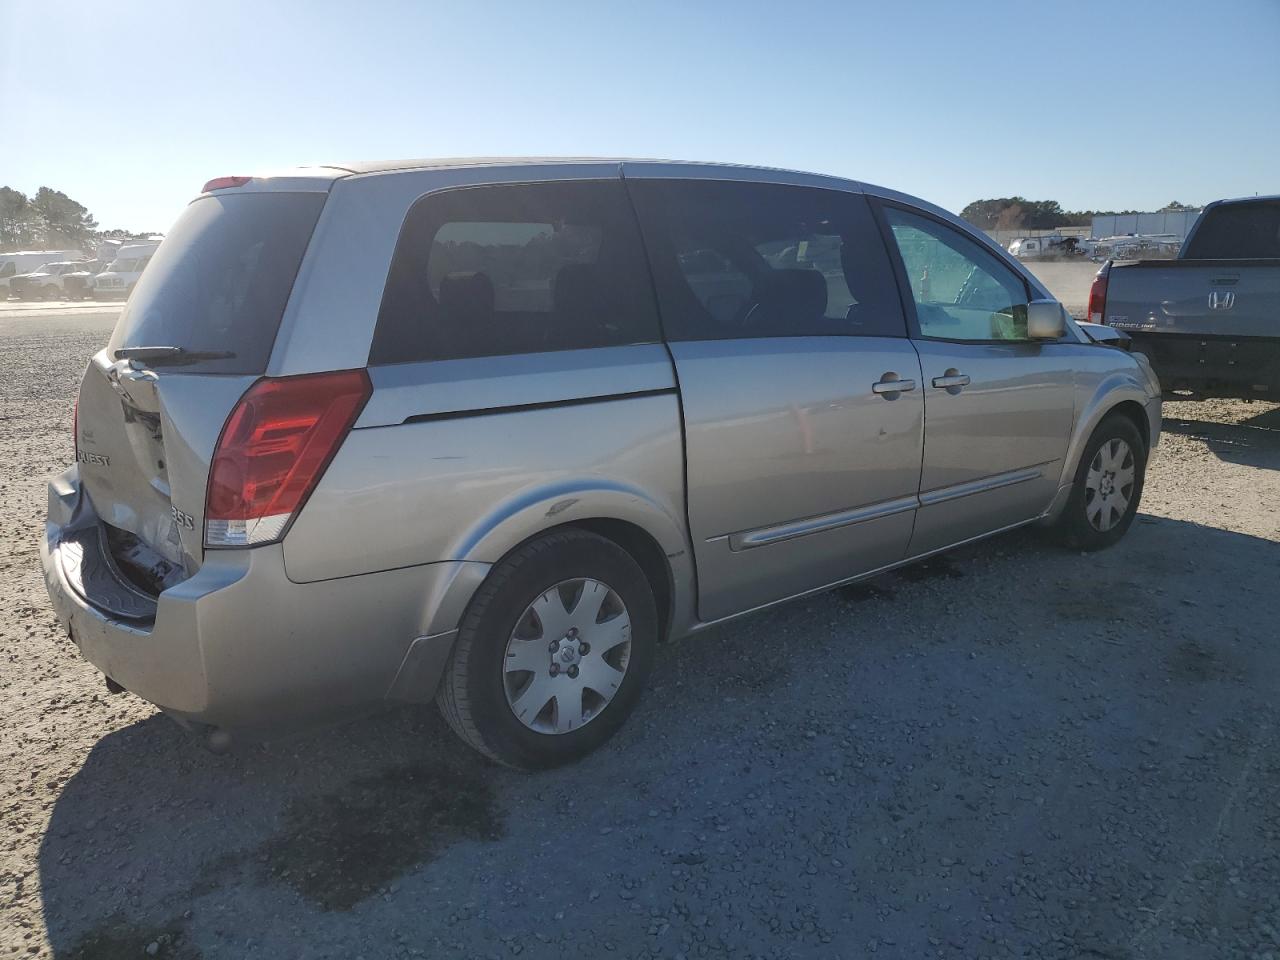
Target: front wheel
<point x="553" y="651"/>
<point x="1108" y="486"/>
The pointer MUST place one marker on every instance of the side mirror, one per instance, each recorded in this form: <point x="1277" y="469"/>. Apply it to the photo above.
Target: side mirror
<point x="1046" y="320"/>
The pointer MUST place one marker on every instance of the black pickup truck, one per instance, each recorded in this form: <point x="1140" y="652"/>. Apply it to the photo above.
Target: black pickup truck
<point x="1209" y="321"/>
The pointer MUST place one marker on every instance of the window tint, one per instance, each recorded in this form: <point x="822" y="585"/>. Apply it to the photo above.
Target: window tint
<point x="9" y="269"/>
<point x="737" y="260"/>
<point x="1238" y="231"/>
<point x="961" y="291"/>
<point x="516" y="268"/>
<point x="221" y="279"/>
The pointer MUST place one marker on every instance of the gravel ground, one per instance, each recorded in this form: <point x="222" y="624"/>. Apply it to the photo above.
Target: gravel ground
<point x="1012" y="752"/>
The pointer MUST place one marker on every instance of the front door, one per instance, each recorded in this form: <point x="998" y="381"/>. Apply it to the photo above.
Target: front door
<point x="998" y="406"/>
<point x="802" y="402"/>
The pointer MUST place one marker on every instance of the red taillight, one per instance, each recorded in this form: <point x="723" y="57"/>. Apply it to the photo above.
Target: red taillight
<point x="1098" y="293"/>
<point x="273" y="450"/>
<point x="220" y="183"/>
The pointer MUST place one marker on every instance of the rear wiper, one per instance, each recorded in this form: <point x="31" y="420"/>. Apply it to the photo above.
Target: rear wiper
<point x="173" y="355"/>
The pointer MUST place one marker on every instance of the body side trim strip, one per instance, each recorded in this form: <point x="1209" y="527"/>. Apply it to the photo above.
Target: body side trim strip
<point x="958" y="490"/>
<point x="701" y="625"/>
<point x="763" y="536"/>
<point x="526" y="407"/>
<point x="831" y="521"/>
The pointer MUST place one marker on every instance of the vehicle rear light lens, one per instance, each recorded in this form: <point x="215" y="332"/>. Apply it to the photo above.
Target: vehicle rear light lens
<point x="273" y="450"/>
<point x="1098" y="294"/>
<point x="75" y="428"/>
<point x="221" y="183"/>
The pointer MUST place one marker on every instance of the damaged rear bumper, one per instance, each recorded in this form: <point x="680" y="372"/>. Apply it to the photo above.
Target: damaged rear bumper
<point x="238" y="644"/>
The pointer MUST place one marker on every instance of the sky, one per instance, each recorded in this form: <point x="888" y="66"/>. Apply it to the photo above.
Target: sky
<point x="129" y="107"/>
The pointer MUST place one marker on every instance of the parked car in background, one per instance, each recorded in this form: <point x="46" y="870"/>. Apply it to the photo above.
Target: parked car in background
<point x="78" y="284"/>
<point x="1153" y="247"/>
<point x="436" y="444"/>
<point x="1209" y="320"/>
<point x="44" y="283"/>
<point x="25" y="261"/>
<point x="1052" y="247"/>
<point x="121" y="276"/>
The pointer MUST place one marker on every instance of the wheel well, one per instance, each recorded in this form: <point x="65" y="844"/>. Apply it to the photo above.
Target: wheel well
<point x="1134" y="411"/>
<point x="645" y="551"/>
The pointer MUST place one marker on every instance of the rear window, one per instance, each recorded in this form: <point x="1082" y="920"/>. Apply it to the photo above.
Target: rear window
<point x="221" y="279"/>
<point x="1237" y="231"/>
<point x="515" y="268"/>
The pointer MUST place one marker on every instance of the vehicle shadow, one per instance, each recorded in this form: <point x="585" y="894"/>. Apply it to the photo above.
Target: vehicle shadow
<point x="386" y="833"/>
<point x="1253" y="442"/>
<point x="152" y="822"/>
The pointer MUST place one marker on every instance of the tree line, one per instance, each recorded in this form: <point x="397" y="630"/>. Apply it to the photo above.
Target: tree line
<point x="1019" y="213"/>
<point x="47" y="221"/>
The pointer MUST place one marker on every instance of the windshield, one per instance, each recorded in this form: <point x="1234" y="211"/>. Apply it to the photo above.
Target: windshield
<point x="221" y="279"/>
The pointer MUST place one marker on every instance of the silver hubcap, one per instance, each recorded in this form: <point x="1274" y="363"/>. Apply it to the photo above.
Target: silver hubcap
<point x="567" y="656"/>
<point x="1109" y="485"/>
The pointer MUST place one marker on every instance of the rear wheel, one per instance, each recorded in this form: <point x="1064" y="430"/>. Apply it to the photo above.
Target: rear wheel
<point x="553" y="651"/>
<point x="1108" y="486"/>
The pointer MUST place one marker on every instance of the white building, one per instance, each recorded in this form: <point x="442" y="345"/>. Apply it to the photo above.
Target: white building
<point x="1175" y="223"/>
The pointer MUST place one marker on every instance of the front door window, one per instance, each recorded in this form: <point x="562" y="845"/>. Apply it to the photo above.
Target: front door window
<point x="961" y="291"/>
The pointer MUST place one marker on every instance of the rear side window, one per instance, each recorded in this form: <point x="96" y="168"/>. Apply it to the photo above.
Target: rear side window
<point x="221" y="279"/>
<point x="734" y="260"/>
<point x="515" y="268"/>
<point x="1238" y="231"/>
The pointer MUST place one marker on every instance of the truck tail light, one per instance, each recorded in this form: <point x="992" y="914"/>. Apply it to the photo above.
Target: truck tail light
<point x="1098" y="293"/>
<point x="273" y="450"/>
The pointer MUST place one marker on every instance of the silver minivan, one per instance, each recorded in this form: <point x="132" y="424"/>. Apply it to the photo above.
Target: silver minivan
<point x="486" y="432"/>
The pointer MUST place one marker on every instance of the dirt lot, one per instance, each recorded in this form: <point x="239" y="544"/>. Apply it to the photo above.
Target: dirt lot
<point x="1017" y="751"/>
<point x="1068" y="280"/>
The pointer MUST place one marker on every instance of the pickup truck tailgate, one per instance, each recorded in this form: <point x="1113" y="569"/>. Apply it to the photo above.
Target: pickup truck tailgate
<point x="1206" y="325"/>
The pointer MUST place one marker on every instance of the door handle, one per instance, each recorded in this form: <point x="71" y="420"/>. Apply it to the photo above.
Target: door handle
<point x="889" y="389"/>
<point x="951" y="381"/>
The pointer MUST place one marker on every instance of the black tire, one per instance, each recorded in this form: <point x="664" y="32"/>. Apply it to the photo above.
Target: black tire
<point x="1074" y="528"/>
<point x="473" y="695"/>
